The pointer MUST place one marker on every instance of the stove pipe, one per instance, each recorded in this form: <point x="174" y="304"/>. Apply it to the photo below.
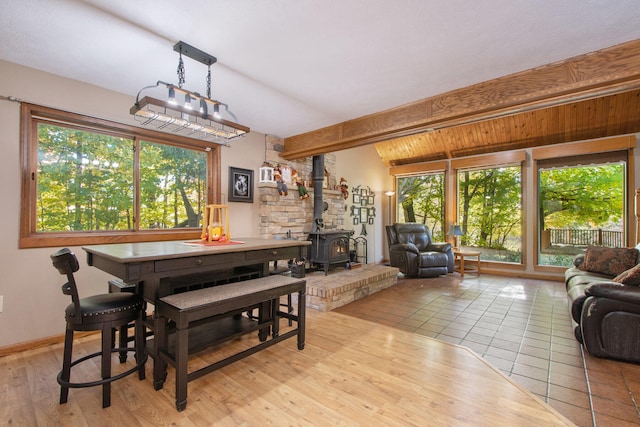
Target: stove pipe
<point x="318" y="179"/>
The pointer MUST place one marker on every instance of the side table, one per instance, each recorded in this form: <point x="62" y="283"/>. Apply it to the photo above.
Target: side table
<point x="460" y="255"/>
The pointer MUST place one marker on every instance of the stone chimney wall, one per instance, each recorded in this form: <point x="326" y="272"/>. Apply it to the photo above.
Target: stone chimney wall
<point x="280" y="215"/>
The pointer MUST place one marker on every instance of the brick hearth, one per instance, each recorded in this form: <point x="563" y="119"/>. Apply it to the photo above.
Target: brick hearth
<point x="341" y="286"/>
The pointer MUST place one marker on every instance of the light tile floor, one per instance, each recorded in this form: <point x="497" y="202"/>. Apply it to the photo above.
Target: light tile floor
<point x="522" y="327"/>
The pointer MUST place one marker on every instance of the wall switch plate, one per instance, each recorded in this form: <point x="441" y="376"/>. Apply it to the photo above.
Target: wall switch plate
<point x="1" y="301"/>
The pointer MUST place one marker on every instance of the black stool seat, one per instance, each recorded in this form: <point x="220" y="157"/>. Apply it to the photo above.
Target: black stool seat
<point x="105" y="313"/>
<point x="97" y="309"/>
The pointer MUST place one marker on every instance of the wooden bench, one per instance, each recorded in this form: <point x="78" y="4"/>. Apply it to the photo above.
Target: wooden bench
<point x="224" y="305"/>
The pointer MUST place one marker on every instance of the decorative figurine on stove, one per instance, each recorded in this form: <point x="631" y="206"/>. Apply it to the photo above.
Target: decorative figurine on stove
<point x="344" y="188"/>
<point x="302" y="190"/>
<point x="282" y="187"/>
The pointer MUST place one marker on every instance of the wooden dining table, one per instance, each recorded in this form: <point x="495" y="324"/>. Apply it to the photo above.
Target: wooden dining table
<point x="158" y="268"/>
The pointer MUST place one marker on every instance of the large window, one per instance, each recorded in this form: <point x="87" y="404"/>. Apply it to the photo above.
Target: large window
<point x="92" y="181"/>
<point x="579" y="196"/>
<point x="581" y="202"/>
<point x="173" y="186"/>
<point x="421" y="199"/>
<point x="490" y="212"/>
<point x="84" y="180"/>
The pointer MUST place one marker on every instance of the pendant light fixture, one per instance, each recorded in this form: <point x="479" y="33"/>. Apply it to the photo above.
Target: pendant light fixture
<point x="191" y="118"/>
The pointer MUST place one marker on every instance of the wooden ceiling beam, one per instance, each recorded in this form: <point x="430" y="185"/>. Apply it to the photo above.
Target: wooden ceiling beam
<point x="604" y="72"/>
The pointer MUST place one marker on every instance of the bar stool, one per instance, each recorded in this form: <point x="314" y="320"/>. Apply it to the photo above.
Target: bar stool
<point x="99" y="312"/>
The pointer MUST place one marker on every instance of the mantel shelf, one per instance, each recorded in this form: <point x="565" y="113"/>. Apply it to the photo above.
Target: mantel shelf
<point x="294" y="187"/>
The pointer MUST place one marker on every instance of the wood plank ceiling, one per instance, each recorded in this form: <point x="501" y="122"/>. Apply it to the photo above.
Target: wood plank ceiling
<point x="586" y="97"/>
<point x="595" y="118"/>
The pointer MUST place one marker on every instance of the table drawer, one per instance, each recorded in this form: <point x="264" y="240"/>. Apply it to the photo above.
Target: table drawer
<point x="273" y="254"/>
<point x="198" y="261"/>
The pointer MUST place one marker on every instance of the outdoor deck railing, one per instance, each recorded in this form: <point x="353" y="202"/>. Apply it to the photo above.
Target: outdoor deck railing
<point x="577" y="237"/>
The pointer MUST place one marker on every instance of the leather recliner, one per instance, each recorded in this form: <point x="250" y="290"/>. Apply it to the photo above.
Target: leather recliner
<point x="412" y="250"/>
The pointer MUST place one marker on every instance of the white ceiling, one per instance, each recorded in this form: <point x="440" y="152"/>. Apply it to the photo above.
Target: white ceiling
<point x="287" y="67"/>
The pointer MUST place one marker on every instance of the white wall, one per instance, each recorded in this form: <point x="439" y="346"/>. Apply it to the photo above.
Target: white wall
<point x="363" y="166"/>
<point x="33" y="302"/>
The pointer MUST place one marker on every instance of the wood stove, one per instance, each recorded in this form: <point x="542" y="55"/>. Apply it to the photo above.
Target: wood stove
<point x="329" y="247"/>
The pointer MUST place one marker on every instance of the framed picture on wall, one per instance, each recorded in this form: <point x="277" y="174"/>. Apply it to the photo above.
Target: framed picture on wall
<point x="364" y="215"/>
<point x="240" y="185"/>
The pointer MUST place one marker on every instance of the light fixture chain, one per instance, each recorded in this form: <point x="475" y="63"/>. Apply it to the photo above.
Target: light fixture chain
<point x="181" y="78"/>
<point x="209" y="83"/>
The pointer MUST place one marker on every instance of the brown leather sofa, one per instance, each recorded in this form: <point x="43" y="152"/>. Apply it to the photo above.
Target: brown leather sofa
<point x="606" y="311"/>
<point x="412" y="250"/>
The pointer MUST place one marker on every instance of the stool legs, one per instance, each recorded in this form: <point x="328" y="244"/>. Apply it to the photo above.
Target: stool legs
<point x="65" y="374"/>
<point x="116" y="286"/>
<point x="105" y="364"/>
<point x="107" y="344"/>
<point x="123" y="341"/>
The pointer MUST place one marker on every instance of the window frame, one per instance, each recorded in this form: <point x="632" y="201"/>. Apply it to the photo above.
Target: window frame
<point x="31" y="115"/>
<point x="398" y="205"/>
<point x="584" y="148"/>
<point x="519" y="164"/>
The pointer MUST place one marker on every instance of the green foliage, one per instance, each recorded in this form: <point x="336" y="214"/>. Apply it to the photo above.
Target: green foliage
<point x="86" y="182"/>
<point x="173" y="186"/>
<point x="490" y="208"/>
<point x="422" y="200"/>
<point x="556" y="259"/>
<point x="579" y="197"/>
<point x="582" y="196"/>
<point x="490" y="204"/>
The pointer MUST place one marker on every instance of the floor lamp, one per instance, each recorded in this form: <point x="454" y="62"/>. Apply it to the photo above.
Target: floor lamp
<point x="390" y="194"/>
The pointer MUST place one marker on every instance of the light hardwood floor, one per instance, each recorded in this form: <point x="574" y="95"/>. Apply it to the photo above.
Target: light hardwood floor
<point x="351" y="372"/>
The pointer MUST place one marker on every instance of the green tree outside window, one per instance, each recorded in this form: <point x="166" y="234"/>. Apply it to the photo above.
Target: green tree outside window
<point x="490" y="212"/>
<point x="86" y="182"/>
<point x="421" y="199"/>
<point x="579" y="204"/>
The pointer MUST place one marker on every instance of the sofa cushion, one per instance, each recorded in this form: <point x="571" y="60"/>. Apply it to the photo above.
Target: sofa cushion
<point x="576" y="298"/>
<point x="572" y="272"/>
<point x="611" y="261"/>
<point x="587" y="278"/>
<point x="629" y="277"/>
